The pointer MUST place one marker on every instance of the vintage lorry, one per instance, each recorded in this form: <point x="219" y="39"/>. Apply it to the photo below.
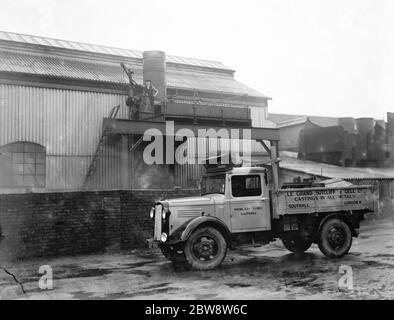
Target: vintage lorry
<point x="238" y="206"/>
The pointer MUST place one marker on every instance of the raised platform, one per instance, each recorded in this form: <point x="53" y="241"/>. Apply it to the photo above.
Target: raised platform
<point x="122" y="126"/>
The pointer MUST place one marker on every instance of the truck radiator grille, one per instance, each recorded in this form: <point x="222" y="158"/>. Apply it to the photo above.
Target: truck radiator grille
<point x="189" y="213"/>
<point x="157" y="233"/>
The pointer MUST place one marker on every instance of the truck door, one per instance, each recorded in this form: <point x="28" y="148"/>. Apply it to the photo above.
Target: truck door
<point x="249" y="203"/>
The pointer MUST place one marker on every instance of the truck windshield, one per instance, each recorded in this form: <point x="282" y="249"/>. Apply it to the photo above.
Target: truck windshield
<point x="213" y="184"/>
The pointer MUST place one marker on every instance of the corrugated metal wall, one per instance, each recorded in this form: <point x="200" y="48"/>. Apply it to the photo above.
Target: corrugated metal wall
<point x="69" y="124"/>
<point x="188" y="175"/>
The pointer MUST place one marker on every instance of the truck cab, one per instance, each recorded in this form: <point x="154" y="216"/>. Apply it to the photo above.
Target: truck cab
<point x="238" y="206"/>
<point x="244" y="202"/>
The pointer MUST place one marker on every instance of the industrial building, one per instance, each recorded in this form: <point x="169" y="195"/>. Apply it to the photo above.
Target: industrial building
<point x="349" y="142"/>
<point x="56" y="95"/>
<point x="290" y="126"/>
<point x="382" y="179"/>
<point x="362" y="142"/>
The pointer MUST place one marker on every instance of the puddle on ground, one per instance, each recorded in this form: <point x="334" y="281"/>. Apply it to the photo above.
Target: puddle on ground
<point x="293" y="257"/>
<point x="82" y="273"/>
<point x="82" y="295"/>
<point x="140" y="273"/>
<point x="158" y="285"/>
<point x="383" y="255"/>
<point x="238" y="285"/>
<point x="377" y="264"/>
<point x="140" y="264"/>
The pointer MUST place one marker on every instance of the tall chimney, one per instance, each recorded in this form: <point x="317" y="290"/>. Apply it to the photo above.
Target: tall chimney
<point x="154" y="69"/>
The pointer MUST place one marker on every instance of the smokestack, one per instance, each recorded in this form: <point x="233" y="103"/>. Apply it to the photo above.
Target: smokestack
<point x="154" y="70"/>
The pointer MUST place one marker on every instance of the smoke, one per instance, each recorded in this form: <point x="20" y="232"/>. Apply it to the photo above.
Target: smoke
<point x="149" y="176"/>
<point x="155" y="177"/>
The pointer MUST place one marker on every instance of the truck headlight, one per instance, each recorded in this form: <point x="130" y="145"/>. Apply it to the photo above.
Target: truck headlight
<point x="163" y="237"/>
<point x="165" y="212"/>
<point x="152" y="213"/>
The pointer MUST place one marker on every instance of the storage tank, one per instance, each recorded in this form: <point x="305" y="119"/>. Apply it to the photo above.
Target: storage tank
<point x="381" y="123"/>
<point x="154" y="70"/>
<point x="348" y="123"/>
<point x="390" y="123"/>
<point x="364" y="126"/>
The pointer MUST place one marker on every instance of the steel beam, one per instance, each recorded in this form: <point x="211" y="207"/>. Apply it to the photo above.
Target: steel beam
<point x="124" y="162"/>
<point x="122" y="126"/>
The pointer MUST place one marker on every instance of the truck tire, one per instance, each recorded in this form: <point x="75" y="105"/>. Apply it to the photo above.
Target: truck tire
<point x="205" y="249"/>
<point x="297" y="244"/>
<point x="172" y="254"/>
<point x="335" y="238"/>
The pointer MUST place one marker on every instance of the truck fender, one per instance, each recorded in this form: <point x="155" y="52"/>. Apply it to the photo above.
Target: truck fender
<point x="339" y="216"/>
<point x="185" y="230"/>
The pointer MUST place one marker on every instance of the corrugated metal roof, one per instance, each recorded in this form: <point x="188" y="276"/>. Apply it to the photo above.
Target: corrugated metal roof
<point x="383" y="171"/>
<point x="68" y="68"/>
<point x="87" y="47"/>
<point x="292" y="122"/>
<point x="59" y="67"/>
<point x="331" y="171"/>
<point x="208" y="82"/>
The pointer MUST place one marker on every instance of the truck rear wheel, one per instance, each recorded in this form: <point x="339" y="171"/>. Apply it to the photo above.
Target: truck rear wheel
<point x="297" y="244"/>
<point x="335" y="238"/>
<point x="205" y="249"/>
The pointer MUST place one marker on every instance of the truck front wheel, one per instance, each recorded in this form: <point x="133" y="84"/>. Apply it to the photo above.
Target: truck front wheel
<point x="297" y="244"/>
<point x="205" y="249"/>
<point x="335" y="238"/>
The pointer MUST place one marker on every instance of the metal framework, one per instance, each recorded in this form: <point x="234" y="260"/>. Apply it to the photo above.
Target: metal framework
<point x="132" y="127"/>
<point x="121" y="126"/>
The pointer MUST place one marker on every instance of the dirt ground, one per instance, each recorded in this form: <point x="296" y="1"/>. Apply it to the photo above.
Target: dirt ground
<point x="268" y="272"/>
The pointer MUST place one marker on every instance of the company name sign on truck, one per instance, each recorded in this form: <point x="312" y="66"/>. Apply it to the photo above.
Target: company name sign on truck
<point x="325" y="199"/>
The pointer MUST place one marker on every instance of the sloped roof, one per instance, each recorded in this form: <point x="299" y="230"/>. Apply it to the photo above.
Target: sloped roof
<point x="282" y="119"/>
<point x="60" y="67"/>
<point x="68" y="68"/>
<point x="87" y="47"/>
<point x="208" y="82"/>
<point x="183" y="73"/>
<point x="331" y="171"/>
<point x="292" y="122"/>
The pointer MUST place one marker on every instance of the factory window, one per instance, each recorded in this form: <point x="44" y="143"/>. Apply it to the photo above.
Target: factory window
<point x="22" y="164"/>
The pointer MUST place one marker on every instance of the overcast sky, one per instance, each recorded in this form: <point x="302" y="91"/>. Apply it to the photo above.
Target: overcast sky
<point x="316" y="57"/>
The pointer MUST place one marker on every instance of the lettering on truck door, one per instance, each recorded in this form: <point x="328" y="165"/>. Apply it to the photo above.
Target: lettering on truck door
<point x="249" y="203"/>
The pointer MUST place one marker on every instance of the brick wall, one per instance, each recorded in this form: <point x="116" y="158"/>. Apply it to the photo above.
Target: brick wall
<point x="54" y="224"/>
